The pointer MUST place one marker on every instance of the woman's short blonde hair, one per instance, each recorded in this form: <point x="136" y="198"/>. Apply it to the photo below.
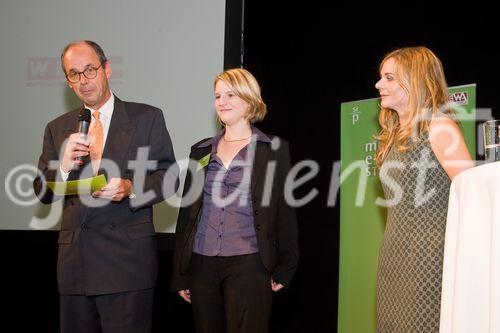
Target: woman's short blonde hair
<point x="246" y="87"/>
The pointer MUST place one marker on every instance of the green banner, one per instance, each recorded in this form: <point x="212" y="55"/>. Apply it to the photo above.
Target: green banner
<point x="361" y="221"/>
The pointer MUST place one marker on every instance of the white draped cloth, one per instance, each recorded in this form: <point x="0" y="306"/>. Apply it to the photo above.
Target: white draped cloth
<point x="471" y="267"/>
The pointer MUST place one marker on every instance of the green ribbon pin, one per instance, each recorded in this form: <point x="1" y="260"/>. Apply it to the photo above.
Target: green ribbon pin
<point x="203" y="162"/>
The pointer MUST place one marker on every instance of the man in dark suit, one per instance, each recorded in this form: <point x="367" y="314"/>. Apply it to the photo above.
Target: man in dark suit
<point x="107" y="264"/>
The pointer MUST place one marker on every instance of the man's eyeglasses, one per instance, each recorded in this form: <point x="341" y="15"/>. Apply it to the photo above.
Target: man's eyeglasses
<point x="89" y="73"/>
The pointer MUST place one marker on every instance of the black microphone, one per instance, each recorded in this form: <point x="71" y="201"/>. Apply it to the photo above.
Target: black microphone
<point x="84" y="123"/>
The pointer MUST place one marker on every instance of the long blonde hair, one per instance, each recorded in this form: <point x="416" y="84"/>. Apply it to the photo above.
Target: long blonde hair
<point x="420" y="73"/>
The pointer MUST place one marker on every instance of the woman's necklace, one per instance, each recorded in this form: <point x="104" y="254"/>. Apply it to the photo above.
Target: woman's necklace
<point x="226" y="140"/>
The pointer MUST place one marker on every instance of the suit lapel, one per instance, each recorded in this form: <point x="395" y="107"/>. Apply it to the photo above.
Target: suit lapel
<point x="259" y="166"/>
<point x="197" y="155"/>
<point x="200" y="153"/>
<point x="120" y="133"/>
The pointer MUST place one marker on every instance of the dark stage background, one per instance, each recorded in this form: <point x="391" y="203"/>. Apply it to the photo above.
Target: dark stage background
<point x="308" y="58"/>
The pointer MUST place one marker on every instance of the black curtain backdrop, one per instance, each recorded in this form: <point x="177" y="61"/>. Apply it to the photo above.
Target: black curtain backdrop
<point x="308" y="58"/>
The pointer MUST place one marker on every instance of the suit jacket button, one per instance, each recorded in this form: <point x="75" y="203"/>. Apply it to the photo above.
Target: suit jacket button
<point x="112" y="226"/>
<point x="257" y="227"/>
<point x="83" y="226"/>
<point x="256" y="212"/>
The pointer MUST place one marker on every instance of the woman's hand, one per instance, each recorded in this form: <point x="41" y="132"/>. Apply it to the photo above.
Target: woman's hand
<point x="185" y="294"/>
<point x="276" y="286"/>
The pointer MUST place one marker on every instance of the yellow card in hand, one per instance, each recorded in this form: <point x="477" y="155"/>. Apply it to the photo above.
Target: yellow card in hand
<point x="82" y="186"/>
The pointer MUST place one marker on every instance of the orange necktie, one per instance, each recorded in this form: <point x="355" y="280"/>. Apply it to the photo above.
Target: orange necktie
<point x="96" y="137"/>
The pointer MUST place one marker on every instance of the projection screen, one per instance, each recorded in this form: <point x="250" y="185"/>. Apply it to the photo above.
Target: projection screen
<point x="162" y="52"/>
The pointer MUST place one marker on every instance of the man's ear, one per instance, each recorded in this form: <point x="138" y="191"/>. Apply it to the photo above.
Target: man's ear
<point x="108" y="70"/>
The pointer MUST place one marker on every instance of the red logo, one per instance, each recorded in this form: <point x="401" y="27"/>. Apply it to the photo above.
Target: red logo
<point x="48" y="71"/>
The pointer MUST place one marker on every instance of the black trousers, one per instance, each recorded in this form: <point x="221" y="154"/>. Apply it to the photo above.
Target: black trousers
<point x="127" y="312"/>
<point x="230" y="294"/>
